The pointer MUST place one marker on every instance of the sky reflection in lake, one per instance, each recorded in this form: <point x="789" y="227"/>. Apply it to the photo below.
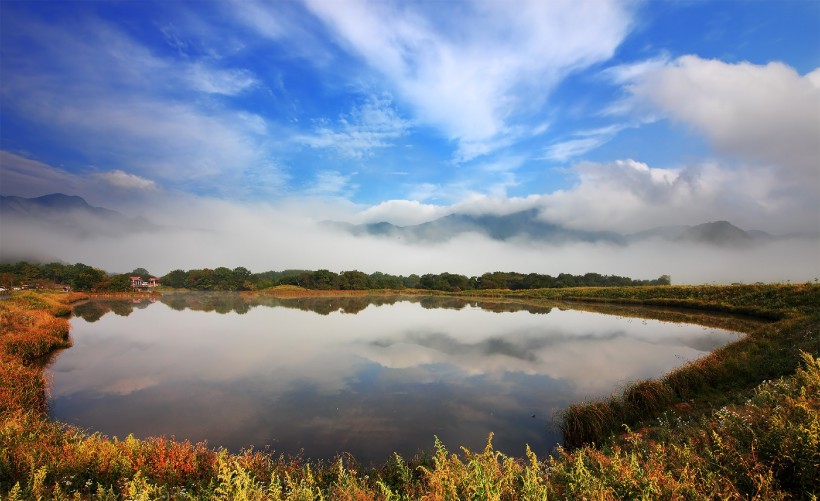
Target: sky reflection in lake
<point x="267" y="372"/>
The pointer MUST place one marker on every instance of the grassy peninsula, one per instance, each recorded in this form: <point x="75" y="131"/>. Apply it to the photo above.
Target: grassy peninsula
<point x="743" y="422"/>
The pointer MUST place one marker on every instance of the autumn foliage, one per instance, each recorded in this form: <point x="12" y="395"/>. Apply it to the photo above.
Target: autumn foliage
<point x="764" y="444"/>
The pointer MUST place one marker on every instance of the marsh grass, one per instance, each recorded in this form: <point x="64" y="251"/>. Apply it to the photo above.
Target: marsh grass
<point x="765" y="445"/>
<point x="727" y="375"/>
<point x="31" y="328"/>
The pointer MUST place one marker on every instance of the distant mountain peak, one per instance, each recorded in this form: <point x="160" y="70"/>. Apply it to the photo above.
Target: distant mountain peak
<point x="528" y="225"/>
<point x="60" y="198"/>
<point x="722" y="233"/>
<point x="523" y="224"/>
<point x="70" y="213"/>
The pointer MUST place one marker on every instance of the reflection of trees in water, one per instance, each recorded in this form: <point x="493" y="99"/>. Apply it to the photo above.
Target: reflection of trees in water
<point x="355" y="304"/>
<point x="537" y="309"/>
<point x="176" y="302"/>
<point x="93" y="310"/>
<point x="227" y="302"/>
<point x="344" y="304"/>
<point x="457" y="303"/>
<point x="448" y="303"/>
<point x="220" y="302"/>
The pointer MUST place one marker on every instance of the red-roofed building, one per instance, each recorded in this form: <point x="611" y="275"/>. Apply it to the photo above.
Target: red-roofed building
<point x="139" y="283"/>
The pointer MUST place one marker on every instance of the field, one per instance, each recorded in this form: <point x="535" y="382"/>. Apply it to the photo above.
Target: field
<point x="743" y="422"/>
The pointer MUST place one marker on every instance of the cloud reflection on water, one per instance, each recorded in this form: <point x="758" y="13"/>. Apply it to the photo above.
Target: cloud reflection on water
<point x="385" y="379"/>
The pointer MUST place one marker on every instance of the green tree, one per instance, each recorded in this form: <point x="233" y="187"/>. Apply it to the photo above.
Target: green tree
<point x="411" y="282"/>
<point x="354" y="280"/>
<point x="201" y="280"/>
<point x="664" y="280"/>
<point x="223" y="279"/>
<point x="119" y="283"/>
<point x="177" y="279"/>
<point x="85" y="278"/>
<point x="142" y="273"/>
<point x="242" y="278"/>
<point x="324" y="280"/>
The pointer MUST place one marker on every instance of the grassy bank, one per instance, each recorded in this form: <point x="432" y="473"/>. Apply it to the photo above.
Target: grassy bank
<point x="770" y="350"/>
<point x="742" y="422"/>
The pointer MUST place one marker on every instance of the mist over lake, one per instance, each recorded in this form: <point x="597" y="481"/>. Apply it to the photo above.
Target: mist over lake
<point x="368" y="376"/>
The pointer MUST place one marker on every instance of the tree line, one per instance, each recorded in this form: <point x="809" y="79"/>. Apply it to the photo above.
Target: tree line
<point x="87" y="278"/>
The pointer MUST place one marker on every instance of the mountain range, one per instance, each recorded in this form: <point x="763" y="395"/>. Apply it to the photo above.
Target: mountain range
<point x="65" y="213"/>
<point x="527" y="225"/>
<point x="70" y="214"/>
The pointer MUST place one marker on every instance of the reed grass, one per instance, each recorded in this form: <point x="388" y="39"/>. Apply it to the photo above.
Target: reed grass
<point x="765" y="446"/>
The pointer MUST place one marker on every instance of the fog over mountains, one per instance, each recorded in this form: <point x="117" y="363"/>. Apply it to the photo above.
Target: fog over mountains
<point x="527" y="225"/>
<point x="190" y="233"/>
<point x="72" y="215"/>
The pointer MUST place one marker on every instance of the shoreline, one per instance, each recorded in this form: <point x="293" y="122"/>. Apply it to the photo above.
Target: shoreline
<point x="769" y="350"/>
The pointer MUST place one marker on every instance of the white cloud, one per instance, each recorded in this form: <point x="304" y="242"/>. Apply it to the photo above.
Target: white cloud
<point x="400" y="212"/>
<point x="227" y="82"/>
<point x="626" y="195"/>
<point x="161" y="139"/>
<point x="331" y="183"/>
<point x="120" y="179"/>
<point x="410" y="212"/>
<point x="582" y="141"/>
<point x="766" y="114"/>
<point x="472" y="76"/>
<point x="24" y="177"/>
<point x="425" y="191"/>
<point x="572" y="148"/>
<point x="814" y="77"/>
<point x="374" y="124"/>
<point x="630" y="196"/>
<point x="630" y="72"/>
<point x="117" y="103"/>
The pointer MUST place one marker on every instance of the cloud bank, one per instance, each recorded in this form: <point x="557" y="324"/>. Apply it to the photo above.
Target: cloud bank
<point x="204" y="233"/>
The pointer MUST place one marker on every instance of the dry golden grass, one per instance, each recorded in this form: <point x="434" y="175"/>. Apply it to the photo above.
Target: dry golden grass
<point x="767" y="447"/>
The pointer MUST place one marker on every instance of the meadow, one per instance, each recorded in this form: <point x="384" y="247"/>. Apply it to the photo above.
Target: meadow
<point x="743" y="422"/>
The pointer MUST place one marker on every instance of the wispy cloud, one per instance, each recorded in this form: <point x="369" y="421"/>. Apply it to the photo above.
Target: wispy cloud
<point x="22" y="176"/>
<point x="630" y="72"/>
<point x="25" y="177"/>
<point x="120" y="179"/>
<point x="372" y="125"/>
<point x="115" y="102"/>
<point x="331" y="183"/>
<point x="572" y="148"/>
<point x="215" y="81"/>
<point x="581" y="142"/>
<point x="471" y="79"/>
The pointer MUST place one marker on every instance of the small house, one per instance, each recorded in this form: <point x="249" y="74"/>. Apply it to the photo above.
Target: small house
<point x="139" y="283"/>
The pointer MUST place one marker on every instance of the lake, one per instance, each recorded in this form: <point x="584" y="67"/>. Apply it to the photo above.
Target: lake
<point x="369" y="376"/>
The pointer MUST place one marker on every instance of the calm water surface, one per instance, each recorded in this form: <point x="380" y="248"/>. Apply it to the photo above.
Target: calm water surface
<point x="370" y="377"/>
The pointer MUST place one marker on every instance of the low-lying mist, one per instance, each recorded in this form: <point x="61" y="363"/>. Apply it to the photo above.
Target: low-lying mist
<point x="260" y="238"/>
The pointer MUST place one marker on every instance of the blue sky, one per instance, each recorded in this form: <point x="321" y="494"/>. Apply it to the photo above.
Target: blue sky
<point x="603" y="114"/>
